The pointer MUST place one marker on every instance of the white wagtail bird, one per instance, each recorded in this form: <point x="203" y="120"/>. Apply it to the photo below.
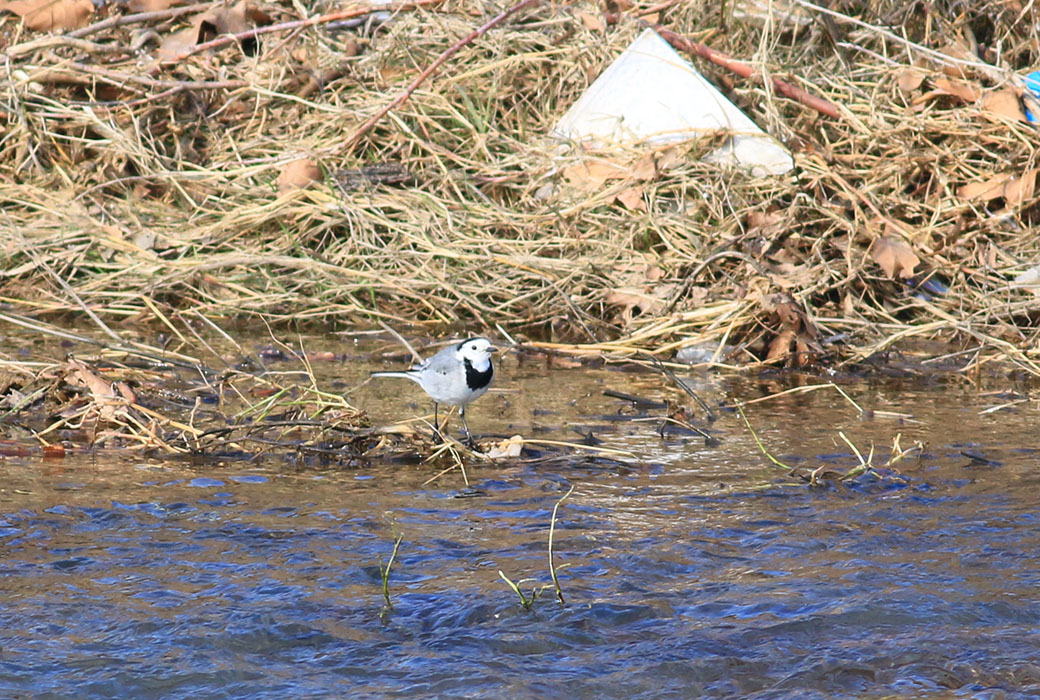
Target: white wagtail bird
<point x="457" y="375"/>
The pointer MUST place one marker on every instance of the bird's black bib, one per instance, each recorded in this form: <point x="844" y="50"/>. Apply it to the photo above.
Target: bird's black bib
<point x="477" y="380"/>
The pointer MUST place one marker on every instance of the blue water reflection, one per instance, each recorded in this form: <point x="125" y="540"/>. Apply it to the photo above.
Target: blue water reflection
<point x="703" y="574"/>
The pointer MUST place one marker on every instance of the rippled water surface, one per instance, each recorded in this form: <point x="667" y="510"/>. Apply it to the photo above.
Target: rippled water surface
<point x="688" y="571"/>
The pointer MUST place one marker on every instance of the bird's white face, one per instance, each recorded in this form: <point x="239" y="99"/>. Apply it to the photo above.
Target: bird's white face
<point x="477" y="351"/>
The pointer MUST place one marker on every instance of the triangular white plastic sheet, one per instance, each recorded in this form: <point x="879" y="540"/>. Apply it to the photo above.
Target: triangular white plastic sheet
<point x="652" y="94"/>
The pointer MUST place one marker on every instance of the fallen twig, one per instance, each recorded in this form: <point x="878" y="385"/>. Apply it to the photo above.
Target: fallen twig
<point x="137" y="18"/>
<point x="681" y="385"/>
<point x="69" y="71"/>
<point x="50" y="42"/>
<point x="635" y="400"/>
<point x="681" y="43"/>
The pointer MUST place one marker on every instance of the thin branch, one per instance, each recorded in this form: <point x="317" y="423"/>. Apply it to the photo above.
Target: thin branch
<point x="50" y="42"/>
<point x="138" y="18"/>
<point x="69" y="71"/>
<point x="742" y="69"/>
<point x="694" y="48"/>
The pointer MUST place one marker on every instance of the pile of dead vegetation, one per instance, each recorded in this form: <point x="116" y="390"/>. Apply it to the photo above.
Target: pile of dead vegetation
<point x="152" y="401"/>
<point x="161" y="162"/>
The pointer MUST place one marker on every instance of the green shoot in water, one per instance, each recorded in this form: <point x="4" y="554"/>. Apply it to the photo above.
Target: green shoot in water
<point x="524" y="600"/>
<point x="384" y="573"/>
<point x="552" y="530"/>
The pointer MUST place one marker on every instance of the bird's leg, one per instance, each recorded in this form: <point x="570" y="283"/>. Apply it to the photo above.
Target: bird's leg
<point x="436" y="425"/>
<point x="465" y="429"/>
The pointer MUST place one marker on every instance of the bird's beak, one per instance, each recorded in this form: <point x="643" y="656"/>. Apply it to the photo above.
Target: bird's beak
<point x="492" y="349"/>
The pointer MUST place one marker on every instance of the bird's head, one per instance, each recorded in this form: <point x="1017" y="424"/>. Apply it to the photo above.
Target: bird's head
<point x="478" y="351"/>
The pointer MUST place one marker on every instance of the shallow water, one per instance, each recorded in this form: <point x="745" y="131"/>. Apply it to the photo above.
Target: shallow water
<point x="689" y="571"/>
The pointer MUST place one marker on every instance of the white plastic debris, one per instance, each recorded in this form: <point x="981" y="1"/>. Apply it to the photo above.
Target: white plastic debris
<point x="1029" y="278"/>
<point x="510" y="448"/>
<point x="652" y="94"/>
<point x="702" y="353"/>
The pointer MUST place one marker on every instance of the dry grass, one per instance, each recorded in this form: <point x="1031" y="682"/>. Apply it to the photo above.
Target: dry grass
<point x="151" y="190"/>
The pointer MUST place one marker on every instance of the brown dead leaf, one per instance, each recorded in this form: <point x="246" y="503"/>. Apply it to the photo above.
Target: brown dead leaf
<point x="961" y="49"/>
<point x="9" y="380"/>
<point x="592" y="174"/>
<point x="909" y="79"/>
<point x="299" y="174"/>
<point x="795" y="329"/>
<point x="151" y="5"/>
<point x="1014" y="190"/>
<point x="632" y="198"/>
<point x="669" y="158"/>
<point x="1020" y="189"/>
<point x="644" y="169"/>
<point x="592" y="21"/>
<point x="765" y="223"/>
<point x="789" y="276"/>
<point x="805" y="350"/>
<point x="51" y="15"/>
<point x="125" y="391"/>
<point x="177" y="45"/>
<point x="238" y="18"/>
<point x="211" y="24"/>
<point x="106" y="399"/>
<point x="391" y="74"/>
<point x="636" y="273"/>
<point x="894" y="255"/>
<point x="780" y="347"/>
<point x="792" y="315"/>
<point x="641" y="290"/>
<point x="958" y="88"/>
<point x="635" y="301"/>
<point x="986" y="190"/>
<point x="1004" y="104"/>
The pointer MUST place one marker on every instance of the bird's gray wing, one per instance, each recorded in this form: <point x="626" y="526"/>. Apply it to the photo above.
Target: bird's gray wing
<point x="442" y="362"/>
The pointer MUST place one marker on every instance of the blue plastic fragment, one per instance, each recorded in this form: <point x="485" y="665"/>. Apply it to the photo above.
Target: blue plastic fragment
<point x="928" y="287"/>
<point x="1033" y="85"/>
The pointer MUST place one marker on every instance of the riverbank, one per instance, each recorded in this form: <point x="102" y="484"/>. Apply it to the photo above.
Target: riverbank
<point x="236" y="183"/>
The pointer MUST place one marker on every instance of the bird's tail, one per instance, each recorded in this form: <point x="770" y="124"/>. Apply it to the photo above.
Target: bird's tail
<point x="406" y="375"/>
